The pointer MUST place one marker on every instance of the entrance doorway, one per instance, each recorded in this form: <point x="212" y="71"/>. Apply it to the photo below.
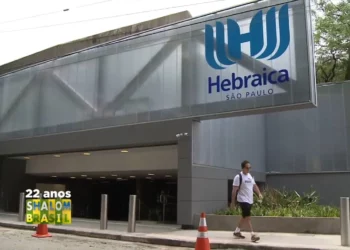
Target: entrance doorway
<point x="156" y="197"/>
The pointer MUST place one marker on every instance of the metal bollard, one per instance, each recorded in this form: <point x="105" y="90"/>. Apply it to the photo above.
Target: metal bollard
<point x="345" y="221"/>
<point x="132" y="214"/>
<point x="104" y="212"/>
<point x="21" y="207"/>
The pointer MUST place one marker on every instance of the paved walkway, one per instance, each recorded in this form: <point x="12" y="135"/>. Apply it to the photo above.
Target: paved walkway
<point x="121" y="226"/>
<point x="187" y="238"/>
<point x="172" y="236"/>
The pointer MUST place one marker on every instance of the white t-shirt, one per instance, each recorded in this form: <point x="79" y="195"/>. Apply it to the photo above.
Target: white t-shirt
<point x="246" y="191"/>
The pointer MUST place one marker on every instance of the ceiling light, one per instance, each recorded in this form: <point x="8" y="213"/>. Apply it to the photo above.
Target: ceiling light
<point x="54" y="176"/>
<point x="89" y="178"/>
<point x="124" y="151"/>
<point x="168" y="176"/>
<point x="119" y="178"/>
<point x="57" y="156"/>
<point x="102" y="177"/>
<point x="150" y="174"/>
<point x="149" y="178"/>
<point x="132" y="176"/>
<point x="114" y="175"/>
<point x="83" y="175"/>
<point x="26" y="158"/>
<point x="72" y="177"/>
<point x="86" y="153"/>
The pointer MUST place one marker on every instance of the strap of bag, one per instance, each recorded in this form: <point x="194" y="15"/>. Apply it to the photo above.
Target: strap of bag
<point x="240" y="181"/>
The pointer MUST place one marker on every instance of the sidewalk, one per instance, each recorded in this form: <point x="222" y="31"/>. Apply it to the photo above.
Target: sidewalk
<point x="187" y="238"/>
<point x="119" y="226"/>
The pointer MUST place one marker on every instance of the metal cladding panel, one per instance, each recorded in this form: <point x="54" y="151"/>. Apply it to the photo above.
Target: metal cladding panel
<point x="253" y="58"/>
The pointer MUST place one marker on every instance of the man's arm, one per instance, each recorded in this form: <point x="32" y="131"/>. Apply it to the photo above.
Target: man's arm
<point x="257" y="190"/>
<point x="234" y="193"/>
<point x="235" y="187"/>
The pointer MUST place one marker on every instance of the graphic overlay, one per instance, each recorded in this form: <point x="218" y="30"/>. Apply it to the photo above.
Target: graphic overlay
<point x="51" y="207"/>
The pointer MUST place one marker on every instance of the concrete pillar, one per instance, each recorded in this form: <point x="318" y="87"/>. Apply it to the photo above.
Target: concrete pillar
<point x="184" y="182"/>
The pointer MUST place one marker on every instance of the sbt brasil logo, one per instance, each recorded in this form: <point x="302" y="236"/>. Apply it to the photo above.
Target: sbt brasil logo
<point x="256" y="38"/>
<point x="53" y="210"/>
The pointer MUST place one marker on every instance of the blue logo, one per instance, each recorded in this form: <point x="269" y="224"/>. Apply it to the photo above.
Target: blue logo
<point x="255" y="37"/>
<point x="230" y="54"/>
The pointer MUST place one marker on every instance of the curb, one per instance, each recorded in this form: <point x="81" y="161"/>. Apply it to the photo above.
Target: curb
<point x="152" y="240"/>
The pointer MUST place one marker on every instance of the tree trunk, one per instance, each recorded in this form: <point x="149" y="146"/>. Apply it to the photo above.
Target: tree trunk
<point x="347" y="72"/>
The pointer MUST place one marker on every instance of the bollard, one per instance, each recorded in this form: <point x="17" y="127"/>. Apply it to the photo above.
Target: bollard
<point x="345" y="221"/>
<point x="104" y="212"/>
<point x="21" y="207"/>
<point x="139" y="209"/>
<point x="132" y="214"/>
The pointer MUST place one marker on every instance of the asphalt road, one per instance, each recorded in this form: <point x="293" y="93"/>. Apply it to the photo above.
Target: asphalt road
<point x="22" y="240"/>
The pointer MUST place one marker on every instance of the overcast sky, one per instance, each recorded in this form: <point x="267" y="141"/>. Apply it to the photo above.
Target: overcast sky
<point x="22" y="33"/>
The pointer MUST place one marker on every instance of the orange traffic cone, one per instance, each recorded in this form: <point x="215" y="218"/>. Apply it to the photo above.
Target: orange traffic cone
<point x="202" y="242"/>
<point x="42" y="231"/>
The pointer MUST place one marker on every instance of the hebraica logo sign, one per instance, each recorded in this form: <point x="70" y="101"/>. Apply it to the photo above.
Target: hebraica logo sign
<point x="51" y="207"/>
<point x="277" y="37"/>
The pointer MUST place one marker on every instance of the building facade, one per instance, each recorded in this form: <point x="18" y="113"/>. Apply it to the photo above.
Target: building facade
<point x="158" y="95"/>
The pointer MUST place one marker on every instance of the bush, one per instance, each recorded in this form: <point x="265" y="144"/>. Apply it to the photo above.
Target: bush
<point x="287" y="204"/>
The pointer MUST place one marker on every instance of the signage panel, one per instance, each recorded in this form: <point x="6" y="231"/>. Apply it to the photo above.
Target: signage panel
<point x="264" y="55"/>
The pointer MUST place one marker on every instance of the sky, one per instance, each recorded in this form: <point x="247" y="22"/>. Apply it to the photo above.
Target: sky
<point x="27" y="26"/>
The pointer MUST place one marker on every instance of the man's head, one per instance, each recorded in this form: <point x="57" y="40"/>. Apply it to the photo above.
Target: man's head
<point x="245" y="167"/>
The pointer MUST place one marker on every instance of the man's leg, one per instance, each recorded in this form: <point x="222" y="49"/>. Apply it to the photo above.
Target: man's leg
<point x="237" y="232"/>
<point x="249" y="221"/>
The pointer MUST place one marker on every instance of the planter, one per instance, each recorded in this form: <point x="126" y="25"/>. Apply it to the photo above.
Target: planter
<point x="317" y="225"/>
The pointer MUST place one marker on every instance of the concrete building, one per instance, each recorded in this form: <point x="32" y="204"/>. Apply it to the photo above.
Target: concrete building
<point x="126" y="112"/>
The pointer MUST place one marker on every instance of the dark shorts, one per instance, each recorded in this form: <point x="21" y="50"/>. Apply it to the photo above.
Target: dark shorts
<point x="245" y="207"/>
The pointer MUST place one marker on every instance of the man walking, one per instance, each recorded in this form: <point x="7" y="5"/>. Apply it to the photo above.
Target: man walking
<point x="243" y="190"/>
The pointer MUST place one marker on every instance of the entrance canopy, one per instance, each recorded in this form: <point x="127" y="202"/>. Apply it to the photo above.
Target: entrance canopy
<point x="146" y="162"/>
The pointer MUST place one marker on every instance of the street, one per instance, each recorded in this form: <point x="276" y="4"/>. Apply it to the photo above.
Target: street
<point x="22" y="240"/>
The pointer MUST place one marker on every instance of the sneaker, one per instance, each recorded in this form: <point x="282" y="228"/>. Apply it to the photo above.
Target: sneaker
<point x="255" y="238"/>
<point x="238" y="235"/>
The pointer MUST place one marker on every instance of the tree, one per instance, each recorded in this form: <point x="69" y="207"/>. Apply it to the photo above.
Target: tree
<point x="332" y="40"/>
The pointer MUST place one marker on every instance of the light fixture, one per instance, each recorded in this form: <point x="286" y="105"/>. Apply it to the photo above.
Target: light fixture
<point x="119" y="178"/>
<point x="26" y="158"/>
<point x="132" y="176"/>
<point x="83" y="175"/>
<point x="149" y="178"/>
<point x="151" y="174"/>
<point x="54" y="176"/>
<point x="114" y="175"/>
<point x="102" y="177"/>
<point x="86" y="153"/>
<point x="57" y="156"/>
<point x="72" y="177"/>
<point x="89" y="178"/>
<point x="168" y="176"/>
<point x="124" y="151"/>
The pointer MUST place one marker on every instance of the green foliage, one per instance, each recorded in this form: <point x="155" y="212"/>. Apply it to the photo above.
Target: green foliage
<point x="287" y="204"/>
<point x="332" y="40"/>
